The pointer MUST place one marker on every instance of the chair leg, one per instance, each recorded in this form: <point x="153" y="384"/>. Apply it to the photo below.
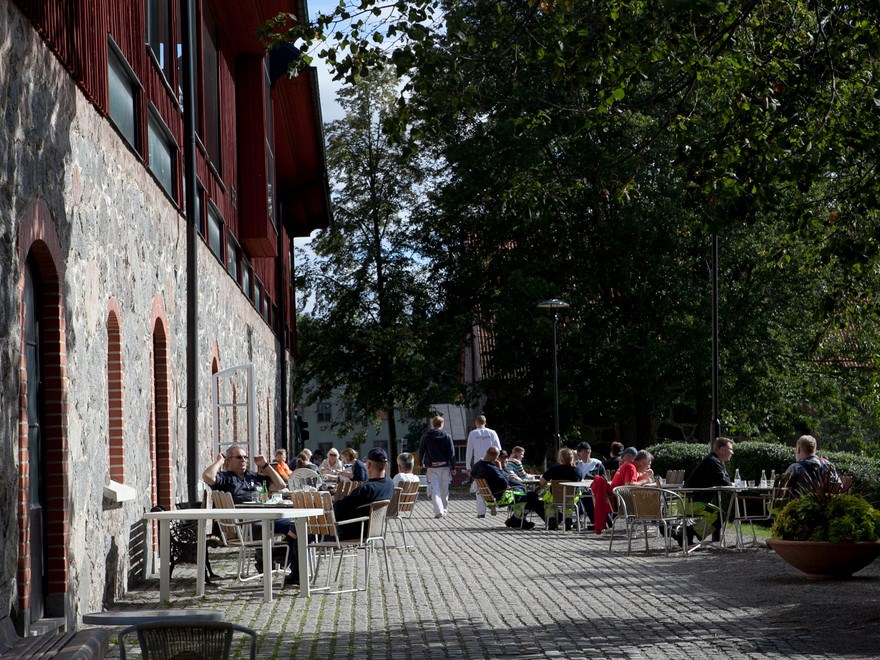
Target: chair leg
<point x="402" y="533"/>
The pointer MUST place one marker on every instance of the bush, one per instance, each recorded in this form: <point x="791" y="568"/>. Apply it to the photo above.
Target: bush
<point x="751" y="456"/>
<point x="676" y="456"/>
<point x="839" y="519"/>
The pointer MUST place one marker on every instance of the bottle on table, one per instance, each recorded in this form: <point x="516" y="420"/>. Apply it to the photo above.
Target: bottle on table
<point x="737" y="480"/>
<point x="763" y="479"/>
<point x="264" y="493"/>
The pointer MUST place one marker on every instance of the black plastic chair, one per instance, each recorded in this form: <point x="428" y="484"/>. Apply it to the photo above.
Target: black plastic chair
<point x="193" y="640"/>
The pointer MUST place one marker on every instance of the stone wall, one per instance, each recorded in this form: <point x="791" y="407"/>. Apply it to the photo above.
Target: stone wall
<point x="123" y="239"/>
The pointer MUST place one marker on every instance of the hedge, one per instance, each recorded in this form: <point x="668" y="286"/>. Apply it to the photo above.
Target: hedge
<point x="750" y="457"/>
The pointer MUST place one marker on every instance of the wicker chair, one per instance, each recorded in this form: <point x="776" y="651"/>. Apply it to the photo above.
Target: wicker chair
<point x="173" y="640"/>
<point x="647" y="505"/>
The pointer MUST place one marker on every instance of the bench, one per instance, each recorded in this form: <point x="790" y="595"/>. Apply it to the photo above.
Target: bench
<point x="81" y="645"/>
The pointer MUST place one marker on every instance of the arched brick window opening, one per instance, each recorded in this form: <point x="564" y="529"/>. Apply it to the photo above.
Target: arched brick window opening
<point x="43" y="499"/>
<point x="115" y="410"/>
<point x="163" y="488"/>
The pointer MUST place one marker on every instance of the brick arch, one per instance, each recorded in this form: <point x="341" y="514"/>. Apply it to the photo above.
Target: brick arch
<point x="160" y="422"/>
<point x="38" y="239"/>
<point x="115" y="395"/>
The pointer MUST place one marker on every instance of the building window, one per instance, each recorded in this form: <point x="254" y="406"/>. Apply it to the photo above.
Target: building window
<point x="198" y="209"/>
<point x="270" y="142"/>
<point x="257" y="298"/>
<point x="247" y="274"/>
<point x="233" y="254"/>
<point x="325" y="412"/>
<point x="210" y="132"/>
<point x="215" y="232"/>
<point x="123" y="88"/>
<point x="159" y="35"/>
<point x="460" y="453"/>
<point x="162" y="149"/>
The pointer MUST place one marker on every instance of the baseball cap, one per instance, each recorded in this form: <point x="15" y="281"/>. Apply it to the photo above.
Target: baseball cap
<point x="584" y="446"/>
<point x="630" y="450"/>
<point x="377" y="454"/>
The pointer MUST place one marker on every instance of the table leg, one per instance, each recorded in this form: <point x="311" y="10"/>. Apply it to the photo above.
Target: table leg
<point x="268" y="531"/>
<point x="201" y="557"/>
<point x="302" y="555"/>
<point x="164" y="560"/>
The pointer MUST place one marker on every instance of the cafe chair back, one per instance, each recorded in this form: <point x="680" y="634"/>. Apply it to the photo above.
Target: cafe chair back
<point x="563" y="504"/>
<point x="402" y="504"/>
<point x="304" y="478"/>
<point x="344" y="488"/>
<point x="674" y="477"/>
<point x="193" y="640"/>
<point x="238" y="536"/>
<point x="644" y="506"/>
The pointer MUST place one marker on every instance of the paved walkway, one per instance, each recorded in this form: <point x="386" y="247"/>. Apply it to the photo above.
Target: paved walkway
<point x="473" y="588"/>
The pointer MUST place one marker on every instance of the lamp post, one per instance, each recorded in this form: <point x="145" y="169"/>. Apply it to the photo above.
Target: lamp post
<point x="554" y="305"/>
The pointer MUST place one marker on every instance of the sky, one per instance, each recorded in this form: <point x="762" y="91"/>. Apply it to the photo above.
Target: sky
<point x="328" y="88"/>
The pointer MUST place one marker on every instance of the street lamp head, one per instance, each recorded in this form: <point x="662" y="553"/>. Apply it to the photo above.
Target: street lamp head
<point x="553" y="303"/>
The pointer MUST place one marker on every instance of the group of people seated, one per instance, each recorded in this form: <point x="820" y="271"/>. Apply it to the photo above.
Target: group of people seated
<point x="229" y="473"/>
<point x="504" y="476"/>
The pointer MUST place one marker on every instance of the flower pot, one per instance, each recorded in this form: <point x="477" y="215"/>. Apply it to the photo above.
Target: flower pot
<point x="822" y="560"/>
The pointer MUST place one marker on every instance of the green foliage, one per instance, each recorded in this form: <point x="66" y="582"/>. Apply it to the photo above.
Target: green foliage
<point x="591" y="149"/>
<point x="370" y="337"/>
<point x="751" y="457"/>
<point x="677" y="456"/>
<point x="837" y="518"/>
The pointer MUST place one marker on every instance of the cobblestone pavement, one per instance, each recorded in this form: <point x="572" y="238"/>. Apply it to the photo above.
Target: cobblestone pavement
<point x="472" y="588"/>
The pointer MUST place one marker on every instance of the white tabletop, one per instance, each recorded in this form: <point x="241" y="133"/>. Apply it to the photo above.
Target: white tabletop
<point x="246" y="513"/>
<point x="133" y="617"/>
<point x="578" y="484"/>
<point x="266" y="515"/>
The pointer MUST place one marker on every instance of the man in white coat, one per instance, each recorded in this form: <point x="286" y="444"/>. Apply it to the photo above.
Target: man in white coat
<point x="478" y="442"/>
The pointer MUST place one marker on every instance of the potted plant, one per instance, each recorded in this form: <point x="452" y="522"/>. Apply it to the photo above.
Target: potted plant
<point x="826" y="533"/>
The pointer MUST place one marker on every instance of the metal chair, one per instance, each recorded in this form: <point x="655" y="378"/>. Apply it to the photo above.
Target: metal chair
<point x="344" y="487"/>
<point x="324" y="529"/>
<point x="238" y="535"/>
<point x="514" y="508"/>
<point x="647" y="505"/>
<point x="402" y="504"/>
<point x="193" y="640"/>
<point x="303" y="477"/>
<point x="564" y="505"/>
<point x="770" y="504"/>
<point x="674" y="477"/>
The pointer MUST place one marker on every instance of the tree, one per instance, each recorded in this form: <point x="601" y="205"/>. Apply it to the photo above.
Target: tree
<point x="592" y="150"/>
<point x="369" y="333"/>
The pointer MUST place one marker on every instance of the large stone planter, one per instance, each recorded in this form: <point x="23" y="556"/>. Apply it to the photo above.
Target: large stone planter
<point x="822" y="560"/>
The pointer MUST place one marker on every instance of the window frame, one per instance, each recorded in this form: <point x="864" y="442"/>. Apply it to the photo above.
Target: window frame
<point x="153" y="117"/>
<point x="125" y="73"/>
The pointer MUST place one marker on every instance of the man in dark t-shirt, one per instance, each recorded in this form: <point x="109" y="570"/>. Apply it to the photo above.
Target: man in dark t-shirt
<point x="489" y="468"/>
<point x="377" y="487"/>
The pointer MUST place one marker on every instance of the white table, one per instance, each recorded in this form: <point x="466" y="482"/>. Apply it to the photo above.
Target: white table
<point x="266" y="515"/>
<point x="133" y="617"/>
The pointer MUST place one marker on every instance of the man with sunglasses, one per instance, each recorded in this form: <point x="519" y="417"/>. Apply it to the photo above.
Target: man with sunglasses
<point x="245" y="486"/>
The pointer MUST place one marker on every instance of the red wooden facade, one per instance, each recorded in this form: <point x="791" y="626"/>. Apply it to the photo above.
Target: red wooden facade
<point x="235" y="180"/>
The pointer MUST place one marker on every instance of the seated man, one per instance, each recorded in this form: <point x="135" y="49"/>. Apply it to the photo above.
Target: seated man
<point x="711" y="472"/>
<point x="635" y="469"/>
<point x="810" y="471"/>
<point x="587" y="468"/>
<point x="245" y="486"/>
<point x="489" y="469"/>
<point x="280" y="465"/>
<point x="377" y="487"/>
<point x="405" y="464"/>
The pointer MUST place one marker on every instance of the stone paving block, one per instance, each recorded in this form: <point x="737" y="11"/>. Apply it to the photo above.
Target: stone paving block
<point x="473" y="588"/>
